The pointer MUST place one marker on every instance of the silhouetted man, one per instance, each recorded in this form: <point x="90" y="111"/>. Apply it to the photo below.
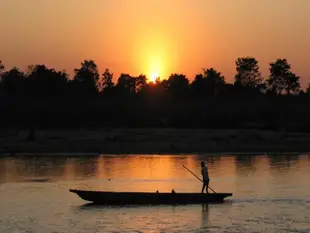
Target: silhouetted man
<point x="205" y="177"/>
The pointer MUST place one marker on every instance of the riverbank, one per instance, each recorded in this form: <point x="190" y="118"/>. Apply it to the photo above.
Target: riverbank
<point x="152" y="141"/>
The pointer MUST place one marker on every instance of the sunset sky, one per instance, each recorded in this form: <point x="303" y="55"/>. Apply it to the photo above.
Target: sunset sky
<point x="155" y="36"/>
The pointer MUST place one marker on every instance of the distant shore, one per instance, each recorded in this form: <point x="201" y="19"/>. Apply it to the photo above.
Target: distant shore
<point x="151" y="141"/>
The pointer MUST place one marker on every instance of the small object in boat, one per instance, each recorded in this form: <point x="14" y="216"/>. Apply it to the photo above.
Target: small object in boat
<point x="157" y="191"/>
<point x="172" y="191"/>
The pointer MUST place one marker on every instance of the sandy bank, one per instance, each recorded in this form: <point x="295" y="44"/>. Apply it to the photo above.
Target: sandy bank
<point x="152" y="141"/>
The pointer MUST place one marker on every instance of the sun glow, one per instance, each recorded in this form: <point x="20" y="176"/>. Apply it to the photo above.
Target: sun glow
<point x="155" y="54"/>
<point x="153" y="77"/>
<point x="155" y="67"/>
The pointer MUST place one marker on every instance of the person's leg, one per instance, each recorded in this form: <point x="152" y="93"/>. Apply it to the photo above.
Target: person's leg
<point x="207" y="184"/>
<point x="203" y="187"/>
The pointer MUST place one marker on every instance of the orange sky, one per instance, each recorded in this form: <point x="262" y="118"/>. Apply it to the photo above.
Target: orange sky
<point x="155" y="36"/>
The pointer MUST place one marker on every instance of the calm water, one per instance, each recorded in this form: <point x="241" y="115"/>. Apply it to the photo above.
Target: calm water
<point x="270" y="193"/>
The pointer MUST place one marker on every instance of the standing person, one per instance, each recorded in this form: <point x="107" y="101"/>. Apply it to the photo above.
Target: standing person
<point x="205" y="177"/>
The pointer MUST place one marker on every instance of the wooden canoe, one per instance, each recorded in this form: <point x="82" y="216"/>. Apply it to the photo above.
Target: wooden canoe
<point x="143" y="198"/>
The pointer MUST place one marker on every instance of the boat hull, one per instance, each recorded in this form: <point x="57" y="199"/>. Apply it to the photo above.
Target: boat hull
<point x="142" y="198"/>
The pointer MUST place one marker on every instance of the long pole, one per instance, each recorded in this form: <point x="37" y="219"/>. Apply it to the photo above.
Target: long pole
<point x="197" y="177"/>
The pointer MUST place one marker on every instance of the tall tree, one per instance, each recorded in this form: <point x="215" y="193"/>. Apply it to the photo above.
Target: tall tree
<point x="86" y="77"/>
<point x="44" y="81"/>
<point x="107" y="80"/>
<point x="213" y="81"/>
<point x="126" y="84"/>
<point x="178" y="84"/>
<point x="140" y="82"/>
<point x="208" y="83"/>
<point x="13" y="81"/>
<point x="248" y="74"/>
<point x="198" y="86"/>
<point x="293" y="84"/>
<point x="282" y="78"/>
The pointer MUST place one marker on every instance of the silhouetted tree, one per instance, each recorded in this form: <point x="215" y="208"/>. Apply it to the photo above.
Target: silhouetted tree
<point x="164" y="84"/>
<point x="1" y="67"/>
<point x="107" y="80"/>
<point x="293" y="85"/>
<point x="137" y="103"/>
<point x="126" y="84"/>
<point x="44" y="81"/>
<point x="13" y="81"/>
<point x="198" y="86"/>
<point x="140" y="83"/>
<point x="157" y="88"/>
<point x="207" y="84"/>
<point x="86" y="78"/>
<point x="281" y="78"/>
<point x="248" y="74"/>
<point x="213" y="81"/>
<point x="308" y="89"/>
<point x="1" y="71"/>
<point x="178" y="84"/>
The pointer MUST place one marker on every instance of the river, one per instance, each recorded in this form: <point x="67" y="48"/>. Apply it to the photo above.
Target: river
<point x="271" y="193"/>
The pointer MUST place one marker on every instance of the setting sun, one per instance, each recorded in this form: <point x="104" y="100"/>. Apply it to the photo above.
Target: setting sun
<point x="155" y="53"/>
<point x="153" y="77"/>
<point x="155" y="67"/>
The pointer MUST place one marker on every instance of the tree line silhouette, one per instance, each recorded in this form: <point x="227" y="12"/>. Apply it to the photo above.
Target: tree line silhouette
<point x="46" y="98"/>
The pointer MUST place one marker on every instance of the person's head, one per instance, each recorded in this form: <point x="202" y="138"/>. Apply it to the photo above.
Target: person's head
<point x="202" y="163"/>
